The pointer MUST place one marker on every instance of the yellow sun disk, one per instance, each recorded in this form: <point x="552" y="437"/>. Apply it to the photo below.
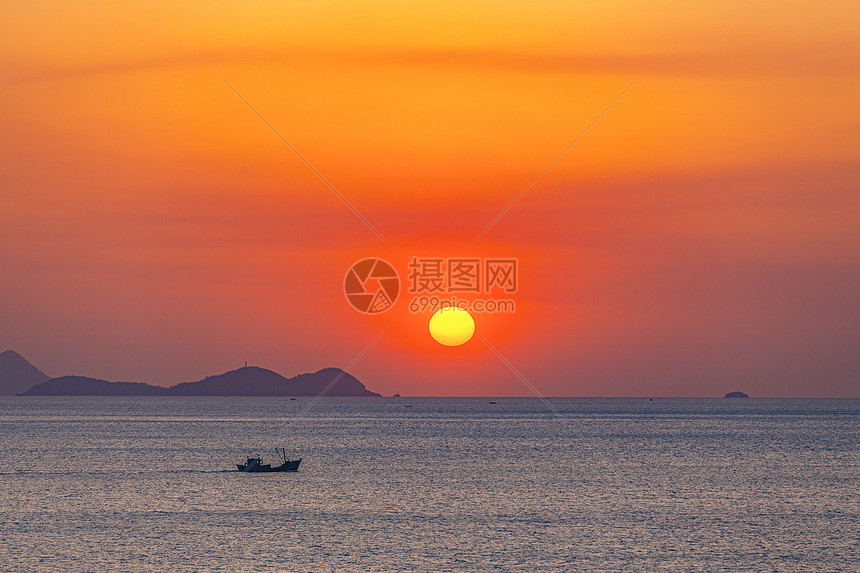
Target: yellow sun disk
<point x="451" y="326"/>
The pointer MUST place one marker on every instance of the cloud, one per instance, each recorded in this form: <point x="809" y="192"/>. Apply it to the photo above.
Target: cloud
<point x="798" y="63"/>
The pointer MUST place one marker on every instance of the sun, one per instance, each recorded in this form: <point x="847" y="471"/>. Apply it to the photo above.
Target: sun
<point x="452" y="326"/>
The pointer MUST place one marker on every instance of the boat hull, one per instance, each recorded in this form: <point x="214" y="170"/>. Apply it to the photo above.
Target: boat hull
<point x="289" y="466"/>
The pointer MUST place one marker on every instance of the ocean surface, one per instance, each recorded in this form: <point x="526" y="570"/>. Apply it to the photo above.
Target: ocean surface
<point x="447" y="484"/>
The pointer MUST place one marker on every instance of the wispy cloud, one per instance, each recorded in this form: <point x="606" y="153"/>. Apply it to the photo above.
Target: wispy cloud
<point x="722" y="64"/>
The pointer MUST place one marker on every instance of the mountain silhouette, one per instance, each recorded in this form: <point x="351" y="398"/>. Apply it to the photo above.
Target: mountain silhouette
<point x="255" y="381"/>
<point x="16" y="374"/>
<point x="247" y="381"/>
<point x="84" y="386"/>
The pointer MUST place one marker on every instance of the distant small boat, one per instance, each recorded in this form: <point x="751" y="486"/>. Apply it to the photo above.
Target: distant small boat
<point x="396" y="396"/>
<point x="737" y="394"/>
<point x="491" y="402"/>
<point x="256" y="465"/>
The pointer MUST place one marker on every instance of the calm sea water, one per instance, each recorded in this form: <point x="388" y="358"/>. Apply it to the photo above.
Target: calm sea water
<point x="150" y="484"/>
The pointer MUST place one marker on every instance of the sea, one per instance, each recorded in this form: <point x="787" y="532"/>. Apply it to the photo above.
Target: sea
<point x="430" y="484"/>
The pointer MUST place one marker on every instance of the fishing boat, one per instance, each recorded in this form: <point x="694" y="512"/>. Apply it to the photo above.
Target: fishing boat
<point x="256" y="465"/>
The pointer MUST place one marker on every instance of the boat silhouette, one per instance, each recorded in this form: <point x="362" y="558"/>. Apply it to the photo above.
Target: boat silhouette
<point x="256" y="465"/>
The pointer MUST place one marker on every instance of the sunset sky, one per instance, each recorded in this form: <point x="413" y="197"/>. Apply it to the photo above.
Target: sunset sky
<point x="703" y="236"/>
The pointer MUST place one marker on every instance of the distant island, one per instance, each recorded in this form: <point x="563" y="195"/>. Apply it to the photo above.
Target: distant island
<point x="737" y="394"/>
<point x="16" y="374"/>
<point x="84" y="386"/>
<point x="246" y="381"/>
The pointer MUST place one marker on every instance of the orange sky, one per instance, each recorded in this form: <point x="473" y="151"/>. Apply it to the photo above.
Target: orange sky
<point x="702" y="236"/>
